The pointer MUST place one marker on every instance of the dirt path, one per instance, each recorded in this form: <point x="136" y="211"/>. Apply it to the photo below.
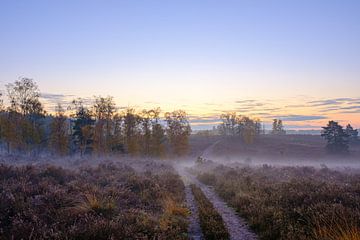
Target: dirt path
<point x="194" y="222"/>
<point x="236" y="226"/>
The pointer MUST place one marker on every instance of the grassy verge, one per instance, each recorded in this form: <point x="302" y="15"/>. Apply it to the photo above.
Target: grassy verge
<point x="104" y="202"/>
<point x="211" y="222"/>
<point x="292" y="203"/>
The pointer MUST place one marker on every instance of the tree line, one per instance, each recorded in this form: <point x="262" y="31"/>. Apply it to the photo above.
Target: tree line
<point x="233" y="124"/>
<point x="338" y="139"/>
<point x="96" y="129"/>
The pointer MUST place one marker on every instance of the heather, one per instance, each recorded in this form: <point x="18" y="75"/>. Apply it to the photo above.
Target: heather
<point x="109" y="201"/>
<point x="292" y="202"/>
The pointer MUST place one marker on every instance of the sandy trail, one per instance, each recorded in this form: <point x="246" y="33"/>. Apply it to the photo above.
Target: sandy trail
<point x="236" y="226"/>
<point x="194" y="229"/>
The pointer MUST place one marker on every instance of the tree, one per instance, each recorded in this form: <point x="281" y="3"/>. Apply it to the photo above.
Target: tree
<point x="157" y="144"/>
<point x="27" y="112"/>
<point x="248" y="129"/>
<point x="1" y="103"/>
<point x="277" y="127"/>
<point x="86" y="141"/>
<point x="104" y="109"/>
<point x="131" y="131"/>
<point x="146" y="118"/>
<point x="82" y="127"/>
<point x="237" y="125"/>
<point x="118" y="139"/>
<point x="228" y="125"/>
<point x="178" y="131"/>
<point x="352" y="133"/>
<point x="337" y="139"/>
<point x="59" y="132"/>
<point x="24" y="97"/>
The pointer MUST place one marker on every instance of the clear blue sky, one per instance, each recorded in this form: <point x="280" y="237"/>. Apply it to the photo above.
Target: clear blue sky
<point x="176" y="52"/>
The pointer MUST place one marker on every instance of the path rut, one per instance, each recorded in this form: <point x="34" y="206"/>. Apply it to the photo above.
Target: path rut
<point x="194" y="229"/>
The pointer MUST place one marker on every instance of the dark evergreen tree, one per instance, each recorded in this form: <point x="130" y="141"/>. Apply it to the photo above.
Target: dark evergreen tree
<point x="83" y="123"/>
<point x="352" y="133"/>
<point x="337" y="139"/>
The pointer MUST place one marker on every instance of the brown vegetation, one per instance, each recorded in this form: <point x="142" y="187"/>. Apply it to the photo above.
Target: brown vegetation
<point x="292" y="202"/>
<point x="106" y="202"/>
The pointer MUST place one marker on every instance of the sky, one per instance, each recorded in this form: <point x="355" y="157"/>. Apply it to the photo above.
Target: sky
<point x="294" y="60"/>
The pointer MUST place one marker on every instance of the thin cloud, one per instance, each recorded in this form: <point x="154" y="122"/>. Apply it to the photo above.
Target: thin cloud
<point x="323" y="103"/>
<point x="307" y="126"/>
<point x="334" y="101"/>
<point x="350" y="112"/>
<point x="296" y="118"/>
<point x="245" y="101"/>
<point x="351" y="107"/>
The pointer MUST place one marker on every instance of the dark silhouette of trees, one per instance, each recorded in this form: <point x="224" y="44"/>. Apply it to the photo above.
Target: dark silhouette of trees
<point x="352" y="134"/>
<point x="337" y="139"/>
<point x="83" y="124"/>
<point x="277" y="127"/>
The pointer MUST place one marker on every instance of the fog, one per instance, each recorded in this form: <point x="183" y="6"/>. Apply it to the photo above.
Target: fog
<point x="336" y="163"/>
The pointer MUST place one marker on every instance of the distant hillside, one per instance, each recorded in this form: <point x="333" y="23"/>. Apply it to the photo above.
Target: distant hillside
<point x="307" y="147"/>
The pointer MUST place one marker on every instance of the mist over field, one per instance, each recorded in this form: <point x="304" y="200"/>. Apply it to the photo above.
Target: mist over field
<point x="201" y="120"/>
<point x="93" y="171"/>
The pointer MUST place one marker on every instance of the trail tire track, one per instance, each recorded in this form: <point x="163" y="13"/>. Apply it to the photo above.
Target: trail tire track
<point x="194" y="229"/>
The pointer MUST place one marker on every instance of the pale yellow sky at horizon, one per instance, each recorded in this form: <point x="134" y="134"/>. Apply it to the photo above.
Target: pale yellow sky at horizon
<point x="206" y="102"/>
<point x="302" y="111"/>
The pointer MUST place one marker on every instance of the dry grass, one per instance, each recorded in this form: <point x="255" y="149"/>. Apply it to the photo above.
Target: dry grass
<point x="103" y="202"/>
<point x="338" y="232"/>
<point x="98" y="204"/>
<point x="335" y="228"/>
<point x="292" y="203"/>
